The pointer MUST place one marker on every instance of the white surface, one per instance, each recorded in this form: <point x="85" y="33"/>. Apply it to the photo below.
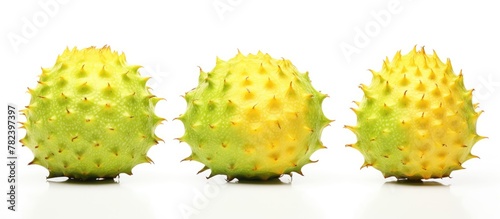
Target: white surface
<point x="171" y="38"/>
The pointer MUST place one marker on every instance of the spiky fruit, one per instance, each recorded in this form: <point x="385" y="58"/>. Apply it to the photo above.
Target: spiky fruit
<point x="253" y="117"/>
<point x="90" y="116"/>
<point x="416" y="120"/>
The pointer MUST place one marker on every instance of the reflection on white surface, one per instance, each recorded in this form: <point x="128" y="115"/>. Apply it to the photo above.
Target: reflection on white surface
<point x="314" y="196"/>
<point x="273" y="199"/>
<point x="97" y="199"/>
<point x="400" y="199"/>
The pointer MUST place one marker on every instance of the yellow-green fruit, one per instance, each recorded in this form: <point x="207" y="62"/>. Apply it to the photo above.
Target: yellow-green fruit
<point x="416" y="120"/>
<point x="90" y="116"/>
<point x="253" y="117"/>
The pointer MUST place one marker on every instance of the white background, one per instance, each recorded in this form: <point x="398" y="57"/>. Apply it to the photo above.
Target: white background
<point x="171" y="38"/>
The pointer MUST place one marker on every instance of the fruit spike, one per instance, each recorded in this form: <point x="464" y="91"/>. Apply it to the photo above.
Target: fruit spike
<point x="416" y="120"/>
<point x="253" y="117"/>
<point x="90" y="116"/>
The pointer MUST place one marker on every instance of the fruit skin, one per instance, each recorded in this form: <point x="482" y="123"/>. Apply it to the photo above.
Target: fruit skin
<point x="90" y="116"/>
<point x="253" y="117"/>
<point x="416" y="120"/>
